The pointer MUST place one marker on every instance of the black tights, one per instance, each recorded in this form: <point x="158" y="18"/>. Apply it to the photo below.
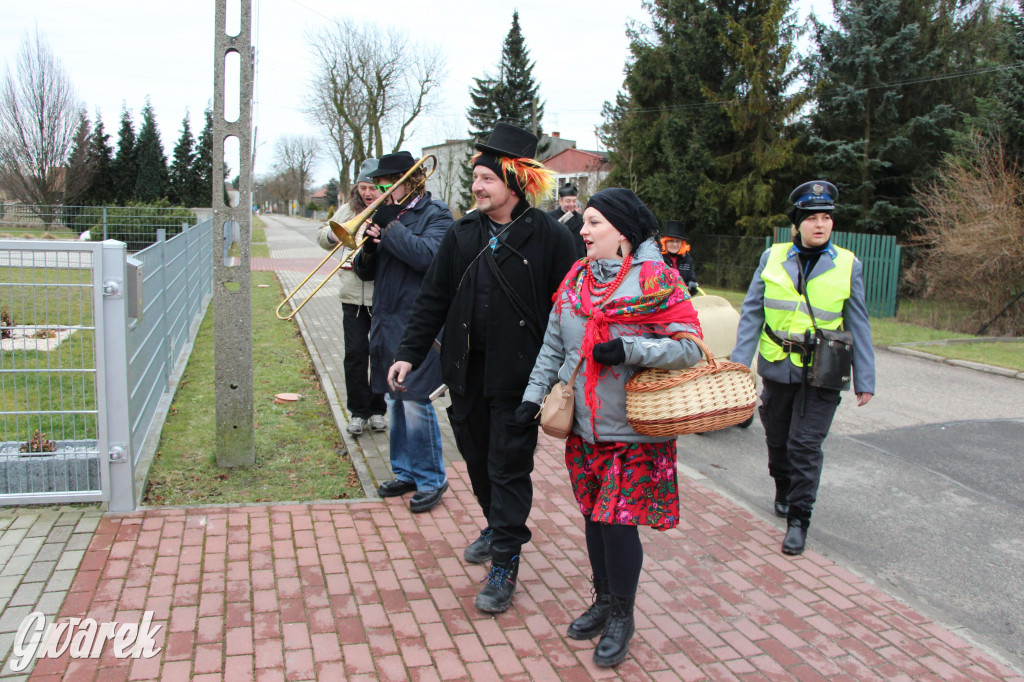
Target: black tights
<point x="616" y="555"/>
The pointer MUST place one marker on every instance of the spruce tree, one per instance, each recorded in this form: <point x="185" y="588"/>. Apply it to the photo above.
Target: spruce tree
<point x="182" y="161"/>
<point x="78" y="173"/>
<point x="759" y="43"/>
<point x="1009" y="93"/>
<point x="885" y="114"/>
<point x="511" y="97"/>
<point x="151" y="183"/>
<point x="125" y="169"/>
<point x="202" y="167"/>
<point x="517" y="95"/>
<point x="101" y="190"/>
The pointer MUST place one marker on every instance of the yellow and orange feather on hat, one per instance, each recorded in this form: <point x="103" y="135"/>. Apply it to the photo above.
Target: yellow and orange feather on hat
<point x="528" y="175"/>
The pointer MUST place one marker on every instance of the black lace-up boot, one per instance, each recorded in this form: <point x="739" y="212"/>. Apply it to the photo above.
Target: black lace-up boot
<point x="593" y="620"/>
<point x="501" y="585"/>
<point x="613" y="646"/>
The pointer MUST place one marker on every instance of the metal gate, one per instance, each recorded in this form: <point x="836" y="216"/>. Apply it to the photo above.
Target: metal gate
<point x="54" y="299"/>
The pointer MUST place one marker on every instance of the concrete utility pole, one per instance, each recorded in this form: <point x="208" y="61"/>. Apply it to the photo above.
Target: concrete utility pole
<point x="232" y="235"/>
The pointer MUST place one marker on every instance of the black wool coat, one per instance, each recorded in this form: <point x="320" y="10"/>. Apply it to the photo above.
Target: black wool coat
<point x="575" y="224"/>
<point x="534" y="257"/>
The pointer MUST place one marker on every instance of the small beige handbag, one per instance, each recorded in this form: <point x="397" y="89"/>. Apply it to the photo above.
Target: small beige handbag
<point x="556" y="412"/>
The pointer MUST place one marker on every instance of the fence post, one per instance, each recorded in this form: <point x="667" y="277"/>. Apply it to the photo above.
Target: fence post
<point x="165" y="330"/>
<point x="112" y="351"/>
<point x="104" y="223"/>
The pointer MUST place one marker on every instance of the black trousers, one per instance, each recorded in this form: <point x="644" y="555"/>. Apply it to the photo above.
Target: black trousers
<point x="794" y="439"/>
<point x="362" y="402"/>
<point x="499" y="459"/>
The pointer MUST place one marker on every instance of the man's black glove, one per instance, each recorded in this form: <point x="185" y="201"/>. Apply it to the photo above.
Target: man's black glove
<point x="386" y="214"/>
<point x="526" y="413"/>
<point x="610" y="352"/>
<point x="369" y="246"/>
<point x="693" y="288"/>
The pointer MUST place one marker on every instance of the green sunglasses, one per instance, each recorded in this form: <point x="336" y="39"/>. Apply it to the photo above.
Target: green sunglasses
<point x="384" y="188"/>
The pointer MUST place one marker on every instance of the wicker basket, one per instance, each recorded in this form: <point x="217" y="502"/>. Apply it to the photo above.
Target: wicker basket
<point x="709" y="396"/>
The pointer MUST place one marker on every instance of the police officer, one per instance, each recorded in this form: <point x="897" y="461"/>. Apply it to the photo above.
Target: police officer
<point x="568" y="213"/>
<point x="796" y="415"/>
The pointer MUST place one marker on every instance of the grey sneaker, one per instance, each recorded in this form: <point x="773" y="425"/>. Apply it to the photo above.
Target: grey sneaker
<point x="355" y="425"/>
<point x="480" y="550"/>
<point x="378" y="423"/>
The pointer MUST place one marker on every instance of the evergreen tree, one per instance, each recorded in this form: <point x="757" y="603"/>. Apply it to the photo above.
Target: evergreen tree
<point x="1009" y="93"/>
<point x="101" y="190"/>
<point x="511" y="97"/>
<point x="885" y="115"/>
<point x="202" y="167"/>
<point x="482" y="115"/>
<point x="79" y="170"/>
<point x="125" y="169"/>
<point x="180" y="173"/>
<point x="517" y="94"/>
<point x="760" y="46"/>
<point x="152" y="181"/>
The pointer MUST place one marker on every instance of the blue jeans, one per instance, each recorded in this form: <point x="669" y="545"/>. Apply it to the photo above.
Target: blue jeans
<point x="416" y="453"/>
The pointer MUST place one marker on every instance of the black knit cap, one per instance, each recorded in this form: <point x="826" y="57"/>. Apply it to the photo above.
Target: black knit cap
<point x="627" y="214"/>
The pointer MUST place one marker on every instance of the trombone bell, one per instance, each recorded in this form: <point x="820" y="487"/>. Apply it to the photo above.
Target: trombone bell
<point x="345" y="233"/>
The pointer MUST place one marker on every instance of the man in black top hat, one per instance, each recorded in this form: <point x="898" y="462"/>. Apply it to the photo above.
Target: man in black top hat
<point x="568" y="213"/>
<point x="490" y="287"/>
<point x="399" y="246"/>
<point x="675" y="248"/>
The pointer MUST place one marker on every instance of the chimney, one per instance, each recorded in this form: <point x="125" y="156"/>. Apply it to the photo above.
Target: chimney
<point x="556" y="135"/>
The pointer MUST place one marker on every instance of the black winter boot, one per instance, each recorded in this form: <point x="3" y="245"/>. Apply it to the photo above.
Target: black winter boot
<point x="781" y="497"/>
<point x="613" y="646"/>
<point x="496" y="595"/>
<point x="593" y="620"/>
<point x="796" y="531"/>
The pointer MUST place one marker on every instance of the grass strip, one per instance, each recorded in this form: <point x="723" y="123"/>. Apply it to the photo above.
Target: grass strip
<point x="299" y="452"/>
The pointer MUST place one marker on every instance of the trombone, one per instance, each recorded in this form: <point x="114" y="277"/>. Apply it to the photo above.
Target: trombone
<point x="345" y="232"/>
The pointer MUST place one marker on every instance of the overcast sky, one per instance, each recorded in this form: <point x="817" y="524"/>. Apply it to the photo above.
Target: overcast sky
<point x="120" y="52"/>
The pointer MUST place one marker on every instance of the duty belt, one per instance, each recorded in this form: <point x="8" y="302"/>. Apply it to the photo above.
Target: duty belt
<point x="788" y="345"/>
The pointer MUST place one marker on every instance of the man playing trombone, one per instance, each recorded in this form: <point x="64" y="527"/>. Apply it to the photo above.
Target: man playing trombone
<point x="490" y="287"/>
<point x="399" y="246"/>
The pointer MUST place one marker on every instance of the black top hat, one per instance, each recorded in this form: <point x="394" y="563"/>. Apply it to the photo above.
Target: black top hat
<point x="393" y="164"/>
<point x="568" y="190"/>
<point x="674" y="229"/>
<point x="507" y="140"/>
<point x="816" y="194"/>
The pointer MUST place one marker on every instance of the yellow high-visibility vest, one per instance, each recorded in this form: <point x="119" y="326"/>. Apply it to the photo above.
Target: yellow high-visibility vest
<point x="785" y="310"/>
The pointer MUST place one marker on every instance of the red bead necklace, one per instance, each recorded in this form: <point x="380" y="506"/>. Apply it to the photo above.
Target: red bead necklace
<point x="604" y="290"/>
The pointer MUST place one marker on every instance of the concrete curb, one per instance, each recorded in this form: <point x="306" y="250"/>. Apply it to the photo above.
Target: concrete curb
<point x="910" y="349"/>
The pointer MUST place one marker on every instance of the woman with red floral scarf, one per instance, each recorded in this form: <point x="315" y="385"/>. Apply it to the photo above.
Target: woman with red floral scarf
<point x="618" y="309"/>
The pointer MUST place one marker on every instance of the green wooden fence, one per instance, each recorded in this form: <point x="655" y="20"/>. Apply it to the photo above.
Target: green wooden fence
<point x="881" y="256"/>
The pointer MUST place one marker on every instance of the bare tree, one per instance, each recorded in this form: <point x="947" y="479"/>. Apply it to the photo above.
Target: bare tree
<point x="40" y="116"/>
<point x="368" y="88"/>
<point x="295" y="157"/>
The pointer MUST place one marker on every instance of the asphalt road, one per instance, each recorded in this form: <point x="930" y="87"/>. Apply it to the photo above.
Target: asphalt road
<point x="922" y="493"/>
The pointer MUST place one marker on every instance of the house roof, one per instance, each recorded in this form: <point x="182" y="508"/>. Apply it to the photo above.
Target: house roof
<point x="578" y="161"/>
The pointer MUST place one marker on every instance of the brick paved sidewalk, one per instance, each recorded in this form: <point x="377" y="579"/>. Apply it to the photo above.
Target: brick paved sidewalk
<point x="368" y="591"/>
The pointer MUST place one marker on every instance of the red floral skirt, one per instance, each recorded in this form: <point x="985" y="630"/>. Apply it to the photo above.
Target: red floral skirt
<point x="631" y="484"/>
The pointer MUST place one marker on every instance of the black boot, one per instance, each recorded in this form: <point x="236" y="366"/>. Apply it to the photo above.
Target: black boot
<point x="796" y="531"/>
<point x="593" y="620"/>
<point x="614" y="643"/>
<point x="781" y="497"/>
<point x="501" y="585"/>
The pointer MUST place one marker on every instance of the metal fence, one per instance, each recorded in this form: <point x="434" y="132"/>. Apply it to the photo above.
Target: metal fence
<point x="136" y="226"/>
<point x="82" y="369"/>
<point x="726" y="261"/>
